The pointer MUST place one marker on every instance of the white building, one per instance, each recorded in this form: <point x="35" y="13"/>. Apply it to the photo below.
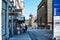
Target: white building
<point x="20" y="5"/>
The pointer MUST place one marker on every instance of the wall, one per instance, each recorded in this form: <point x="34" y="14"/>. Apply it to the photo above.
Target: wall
<point x="49" y="11"/>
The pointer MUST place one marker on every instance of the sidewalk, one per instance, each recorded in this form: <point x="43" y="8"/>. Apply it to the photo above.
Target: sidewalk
<point x="24" y="36"/>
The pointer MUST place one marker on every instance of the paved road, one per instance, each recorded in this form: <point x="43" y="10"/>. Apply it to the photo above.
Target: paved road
<point x="34" y="34"/>
<point x="40" y="34"/>
<point x="24" y="36"/>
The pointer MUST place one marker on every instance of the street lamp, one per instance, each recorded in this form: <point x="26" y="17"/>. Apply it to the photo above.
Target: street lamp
<point x="30" y="16"/>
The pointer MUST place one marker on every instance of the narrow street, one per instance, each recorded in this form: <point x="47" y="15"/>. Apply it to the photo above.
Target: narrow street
<point x="34" y="34"/>
<point x="27" y="20"/>
<point x="40" y="35"/>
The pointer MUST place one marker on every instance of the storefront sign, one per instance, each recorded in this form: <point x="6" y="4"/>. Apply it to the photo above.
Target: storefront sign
<point x="18" y="10"/>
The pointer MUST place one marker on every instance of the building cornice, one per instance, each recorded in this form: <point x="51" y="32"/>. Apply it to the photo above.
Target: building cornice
<point x="42" y="2"/>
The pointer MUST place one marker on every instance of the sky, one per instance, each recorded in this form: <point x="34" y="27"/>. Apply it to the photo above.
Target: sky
<point x="30" y="7"/>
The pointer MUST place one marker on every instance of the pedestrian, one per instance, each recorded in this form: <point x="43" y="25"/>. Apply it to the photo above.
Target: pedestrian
<point x="10" y="31"/>
<point x="26" y="27"/>
<point x="18" y="30"/>
<point x="54" y="39"/>
<point x="23" y="27"/>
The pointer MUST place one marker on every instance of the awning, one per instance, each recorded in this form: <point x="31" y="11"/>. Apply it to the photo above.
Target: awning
<point x="13" y="14"/>
<point x="21" y="18"/>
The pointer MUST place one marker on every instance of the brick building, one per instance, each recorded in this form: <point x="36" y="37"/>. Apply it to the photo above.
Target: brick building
<point x="44" y="14"/>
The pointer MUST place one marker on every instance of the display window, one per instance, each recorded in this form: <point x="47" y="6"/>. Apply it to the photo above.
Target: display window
<point x="4" y="6"/>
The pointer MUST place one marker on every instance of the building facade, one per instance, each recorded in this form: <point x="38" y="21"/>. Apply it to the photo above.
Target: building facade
<point x="20" y="5"/>
<point x="7" y="19"/>
<point x="4" y="13"/>
<point x="44" y="14"/>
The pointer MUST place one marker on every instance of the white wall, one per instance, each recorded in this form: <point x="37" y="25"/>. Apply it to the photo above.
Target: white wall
<point x="49" y="11"/>
<point x="21" y="4"/>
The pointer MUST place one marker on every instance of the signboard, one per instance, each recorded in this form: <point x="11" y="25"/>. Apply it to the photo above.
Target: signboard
<point x="57" y="7"/>
<point x="21" y="18"/>
<point x="18" y="10"/>
<point x="57" y="19"/>
<point x="13" y="14"/>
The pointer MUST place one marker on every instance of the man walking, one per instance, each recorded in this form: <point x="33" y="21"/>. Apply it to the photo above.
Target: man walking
<point x="26" y="27"/>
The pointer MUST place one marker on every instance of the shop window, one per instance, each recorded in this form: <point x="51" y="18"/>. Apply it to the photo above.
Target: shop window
<point x="4" y="8"/>
<point x="3" y="22"/>
<point x="4" y="5"/>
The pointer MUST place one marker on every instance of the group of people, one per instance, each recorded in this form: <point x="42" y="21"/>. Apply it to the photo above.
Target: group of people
<point x="21" y="28"/>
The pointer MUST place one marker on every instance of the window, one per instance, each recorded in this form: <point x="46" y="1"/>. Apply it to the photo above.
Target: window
<point x="4" y="5"/>
<point x="3" y="22"/>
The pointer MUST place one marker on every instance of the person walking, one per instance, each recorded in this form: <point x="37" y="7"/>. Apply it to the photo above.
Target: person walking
<point x="23" y="27"/>
<point x="26" y="27"/>
<point x="10" y="31"/>
<point x="18" y="30"/>
<point x="21" y="31"/>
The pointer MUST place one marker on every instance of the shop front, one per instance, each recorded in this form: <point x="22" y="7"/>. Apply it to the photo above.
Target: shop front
<point x="4" y="12"/>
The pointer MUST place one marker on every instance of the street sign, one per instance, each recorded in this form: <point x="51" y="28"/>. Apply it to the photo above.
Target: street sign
<point x="57" y="19"/>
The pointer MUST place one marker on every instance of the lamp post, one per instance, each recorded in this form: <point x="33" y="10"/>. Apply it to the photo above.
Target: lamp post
<point x="30" y="18"/>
